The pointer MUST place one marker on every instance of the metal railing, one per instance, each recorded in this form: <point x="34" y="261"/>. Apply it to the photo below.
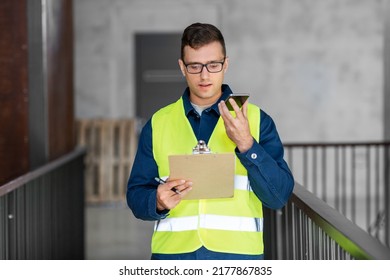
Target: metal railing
<point x="309" y="229"/>
<point x="42" y="217"/>
<point x="354" y="178"/>
<point x="42" y="212"/>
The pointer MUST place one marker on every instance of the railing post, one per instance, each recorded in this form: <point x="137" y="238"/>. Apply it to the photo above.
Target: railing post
<point x="387" y="194"/>
<point x="10" y="225"/>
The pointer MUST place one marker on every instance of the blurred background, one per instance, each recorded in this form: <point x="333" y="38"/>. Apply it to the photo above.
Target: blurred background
<point x="90" y="72"/>
<point x="316" y="66"/>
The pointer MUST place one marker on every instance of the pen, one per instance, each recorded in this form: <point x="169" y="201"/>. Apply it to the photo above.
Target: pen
<point x="161" y="181"/>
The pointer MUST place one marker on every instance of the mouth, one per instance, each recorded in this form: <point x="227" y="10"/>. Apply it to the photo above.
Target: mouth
<point x="204" y="86"/>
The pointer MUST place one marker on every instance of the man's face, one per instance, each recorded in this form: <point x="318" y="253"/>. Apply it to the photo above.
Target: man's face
<point x="205" y="87"/>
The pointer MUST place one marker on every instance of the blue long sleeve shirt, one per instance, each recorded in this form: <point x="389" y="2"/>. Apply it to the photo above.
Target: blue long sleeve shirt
<point x="269" y="175"/>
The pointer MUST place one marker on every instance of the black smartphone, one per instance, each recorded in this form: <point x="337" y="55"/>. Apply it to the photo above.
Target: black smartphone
<point x="240" y="99"/>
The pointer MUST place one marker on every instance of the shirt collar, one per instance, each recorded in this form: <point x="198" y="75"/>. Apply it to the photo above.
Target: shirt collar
<point x="187" y="104"/>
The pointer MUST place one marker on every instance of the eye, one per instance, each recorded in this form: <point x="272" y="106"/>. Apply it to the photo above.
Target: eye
<point x="194" y="67"/>
<point x="213" y="66"/>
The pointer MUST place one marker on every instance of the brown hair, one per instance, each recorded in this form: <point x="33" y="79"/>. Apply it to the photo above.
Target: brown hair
<point x="199" y="34"/>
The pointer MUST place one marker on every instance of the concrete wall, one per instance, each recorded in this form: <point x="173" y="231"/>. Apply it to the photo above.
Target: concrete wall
<point x="316" y="66"/>
<point x="387" y="72"/>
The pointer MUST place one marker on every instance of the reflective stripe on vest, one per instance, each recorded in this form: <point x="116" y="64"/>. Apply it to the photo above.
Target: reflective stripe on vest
<point x="240" y="183"/>
<point x="208" y="221"/>
<point x="231" y="225"/>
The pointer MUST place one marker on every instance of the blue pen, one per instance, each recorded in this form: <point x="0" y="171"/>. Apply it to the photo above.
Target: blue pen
<point x="161" y="181"/>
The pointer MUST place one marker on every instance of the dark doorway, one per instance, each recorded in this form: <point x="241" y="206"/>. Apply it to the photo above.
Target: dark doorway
<point x="159" y="80"/>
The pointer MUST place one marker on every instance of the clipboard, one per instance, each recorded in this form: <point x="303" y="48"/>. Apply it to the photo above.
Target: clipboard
<point x="212" y="174"/>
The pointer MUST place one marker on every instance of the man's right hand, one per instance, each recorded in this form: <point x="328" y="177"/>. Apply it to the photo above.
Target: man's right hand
<point x="168" y="198"/>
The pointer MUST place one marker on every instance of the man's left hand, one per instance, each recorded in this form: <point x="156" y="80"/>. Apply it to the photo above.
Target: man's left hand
<point x="237" y="128"/>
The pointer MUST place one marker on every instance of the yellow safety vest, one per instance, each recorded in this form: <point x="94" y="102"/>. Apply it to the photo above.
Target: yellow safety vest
<point x="230" y="225"/>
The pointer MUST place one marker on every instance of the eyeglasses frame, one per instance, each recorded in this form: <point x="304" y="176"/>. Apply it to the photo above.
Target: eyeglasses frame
<point x="205" y="65"/>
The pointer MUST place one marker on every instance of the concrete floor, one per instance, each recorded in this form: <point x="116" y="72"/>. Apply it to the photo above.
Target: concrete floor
<point x="113" y="233"/>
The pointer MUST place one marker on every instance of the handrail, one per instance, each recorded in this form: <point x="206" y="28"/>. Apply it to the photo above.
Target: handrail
<point x="352" y="177"/>
<point x="42" y="211"/>
<point x="23" y="179"/>
<point x="349" y="236"/>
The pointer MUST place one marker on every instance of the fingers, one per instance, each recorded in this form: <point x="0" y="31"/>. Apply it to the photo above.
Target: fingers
<point x="178" y="186"/>
<point x="224" y="111"/>
<point x="184" y="189"/>
<point x="239" y="111"/>
<point x="244" y="109"/>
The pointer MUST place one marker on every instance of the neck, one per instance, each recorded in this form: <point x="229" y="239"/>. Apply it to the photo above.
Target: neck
<point x="204" y="102"/>
<point x="200" y="108"/>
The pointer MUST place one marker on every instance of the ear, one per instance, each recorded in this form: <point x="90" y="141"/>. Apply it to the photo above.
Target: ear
<point x="226" y="64"/>
<point x="182" y="67"/>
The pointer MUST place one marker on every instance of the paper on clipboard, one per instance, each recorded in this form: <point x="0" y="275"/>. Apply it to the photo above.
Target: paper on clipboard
<point x="212" y="174"/>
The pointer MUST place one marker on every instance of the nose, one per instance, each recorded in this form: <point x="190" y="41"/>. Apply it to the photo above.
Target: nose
<point x="204" y="73"/>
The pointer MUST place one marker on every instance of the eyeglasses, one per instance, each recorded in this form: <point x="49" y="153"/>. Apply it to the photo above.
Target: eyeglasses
<point x="212" y="67"/>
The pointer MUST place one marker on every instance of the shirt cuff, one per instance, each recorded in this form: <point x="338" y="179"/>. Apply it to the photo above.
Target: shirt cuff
<point x="252" y="156"/>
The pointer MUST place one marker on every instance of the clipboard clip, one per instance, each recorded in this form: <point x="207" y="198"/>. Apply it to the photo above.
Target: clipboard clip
<point x="201" y="148"/>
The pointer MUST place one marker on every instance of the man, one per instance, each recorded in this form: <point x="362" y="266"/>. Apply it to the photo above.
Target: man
<point x="229" y="228"/>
